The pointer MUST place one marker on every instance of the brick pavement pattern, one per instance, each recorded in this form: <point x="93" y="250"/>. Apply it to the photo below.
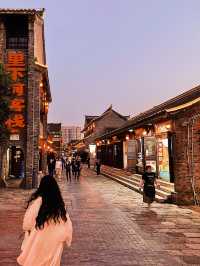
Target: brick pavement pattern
<point x="111" y="226"/>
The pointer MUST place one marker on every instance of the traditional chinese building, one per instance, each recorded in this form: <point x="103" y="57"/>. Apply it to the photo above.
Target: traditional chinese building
<point x="97" y="125"/>
<point x="22" y="53"/>
<point x="167" y="137"/>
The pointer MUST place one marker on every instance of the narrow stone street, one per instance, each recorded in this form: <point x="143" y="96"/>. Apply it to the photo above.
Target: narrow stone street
<point x="111" y="226"/>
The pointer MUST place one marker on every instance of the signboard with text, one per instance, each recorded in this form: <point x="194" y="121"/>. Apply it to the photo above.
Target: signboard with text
<point x="16" y="66"/>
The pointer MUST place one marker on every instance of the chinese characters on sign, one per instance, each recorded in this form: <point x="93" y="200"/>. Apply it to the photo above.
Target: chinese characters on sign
<point x="16" y="67"/>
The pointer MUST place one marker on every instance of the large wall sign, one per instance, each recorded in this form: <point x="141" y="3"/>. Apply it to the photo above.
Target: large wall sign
<point x="16" y="66"/>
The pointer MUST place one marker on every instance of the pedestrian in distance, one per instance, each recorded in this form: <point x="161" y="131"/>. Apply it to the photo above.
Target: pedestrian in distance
<point x="58" y="168"/>
<point x="63" y="159"/>
<point x="88" y="162"/>
<point x="77" y="169"/>
<point x="68" y="171"/>
<point x="47" y="226"/>
<point x="51" y="167"/>
<point x="73" y="166"/>
<point x="98" y="167"/>
<point x="149" y="183"/>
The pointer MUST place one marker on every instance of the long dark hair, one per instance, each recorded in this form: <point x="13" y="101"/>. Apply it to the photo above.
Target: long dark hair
<point x="53" y="207"/>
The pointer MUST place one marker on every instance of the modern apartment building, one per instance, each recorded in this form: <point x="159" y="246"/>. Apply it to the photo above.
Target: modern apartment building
<point x="70" y="133"/>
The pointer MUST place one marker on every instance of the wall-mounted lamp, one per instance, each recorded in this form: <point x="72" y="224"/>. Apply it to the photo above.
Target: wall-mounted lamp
<point x="127" y="137"/>
<point x="144" y="133"/>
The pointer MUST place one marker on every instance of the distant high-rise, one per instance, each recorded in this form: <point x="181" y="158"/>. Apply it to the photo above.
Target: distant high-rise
<point x="70" y="133"/>
<point x="55" y="137"/>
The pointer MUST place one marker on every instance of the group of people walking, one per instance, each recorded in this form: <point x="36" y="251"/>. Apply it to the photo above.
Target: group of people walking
<point x="72" y="166"/>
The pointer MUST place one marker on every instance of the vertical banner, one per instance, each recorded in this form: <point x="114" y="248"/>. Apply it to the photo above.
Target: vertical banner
<point x="16" y="66"/>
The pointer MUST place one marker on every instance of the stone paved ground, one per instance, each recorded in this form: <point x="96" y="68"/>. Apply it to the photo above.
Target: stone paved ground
<point x="111" y="227"/>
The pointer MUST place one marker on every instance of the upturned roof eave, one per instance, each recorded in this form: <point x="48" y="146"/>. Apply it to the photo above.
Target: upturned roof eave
<point x="157" y="110"/>
<point x="22" y="11"/>
<point x="134" y="125"/>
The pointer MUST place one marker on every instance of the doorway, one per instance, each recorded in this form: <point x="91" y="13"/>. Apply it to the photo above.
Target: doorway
<point x="16" y="162"/>
<point x="165" y="159"/>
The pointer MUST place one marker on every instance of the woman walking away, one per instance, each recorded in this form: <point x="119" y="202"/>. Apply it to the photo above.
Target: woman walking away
<point x="47" y="226"/>
<point x="148" y="183"/>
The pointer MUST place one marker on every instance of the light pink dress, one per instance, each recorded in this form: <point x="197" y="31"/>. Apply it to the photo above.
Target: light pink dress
<point x="43" y="247"/>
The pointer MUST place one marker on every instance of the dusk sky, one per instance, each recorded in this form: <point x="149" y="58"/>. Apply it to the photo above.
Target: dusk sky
<point x="132" y="54"/>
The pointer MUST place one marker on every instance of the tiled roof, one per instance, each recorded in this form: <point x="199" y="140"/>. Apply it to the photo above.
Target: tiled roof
<point x="88" y="118"/>
<point x="181" y="99"/>
<point x="125" y="117"/>
<point x="30" y="11"/>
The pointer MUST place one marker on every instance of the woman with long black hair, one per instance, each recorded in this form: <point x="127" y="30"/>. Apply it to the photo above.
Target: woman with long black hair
<point x="47" y="226"/>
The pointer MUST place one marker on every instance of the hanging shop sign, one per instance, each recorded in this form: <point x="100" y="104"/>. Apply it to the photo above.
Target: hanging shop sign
<point x="163" y="159"/>
<point x="150" y="146"/>
<point x="14" y="137"/>
<point x="92" y="149"/>
<point x="152" y="164"/>
<point x="16" y="66"/>
<point x="163" y="127"/>
<point x="57" y="139"/>
<point x="132" y="149"/>
<point x="150" y="152"/>
<point x="139" y="132"/>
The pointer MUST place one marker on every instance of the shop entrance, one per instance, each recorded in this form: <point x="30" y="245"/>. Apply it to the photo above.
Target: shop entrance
<point x="157" y="152"/>
<point x="165" y="161"/>
<point x="16" y="162"/>
<point x="150" y="152"/>
<point x="131" y="154"/>
<point x="118" y="155"/>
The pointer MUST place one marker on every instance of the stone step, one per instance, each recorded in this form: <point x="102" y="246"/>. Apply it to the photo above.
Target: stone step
<point x="162" y="183"/>
<point x="165" y="189"/>
<point x="129" y="174"/>
<point x="136" y="182"/>
<point x="160" y="195"/>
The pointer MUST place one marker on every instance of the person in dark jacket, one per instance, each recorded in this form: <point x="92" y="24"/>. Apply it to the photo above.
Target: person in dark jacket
<point x="68" y="171"/>
<point x="77" y="169"/>
<point x="88" y="162"/>
<point x="149" y="183"/>
<point x="98" y="167"/>
<point x="51" y="166"/>
<point x="73" y="166"/>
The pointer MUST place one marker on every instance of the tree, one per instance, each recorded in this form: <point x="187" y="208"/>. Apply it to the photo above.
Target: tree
<point x="5" y="81"/>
